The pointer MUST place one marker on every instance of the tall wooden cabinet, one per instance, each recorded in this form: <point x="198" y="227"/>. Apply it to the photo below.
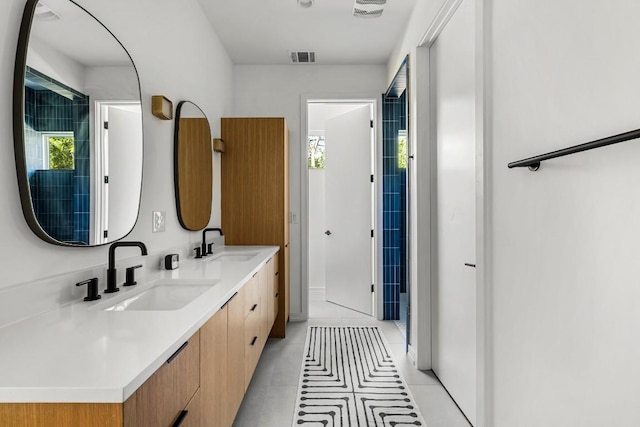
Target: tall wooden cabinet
<point x="255" y="193"/>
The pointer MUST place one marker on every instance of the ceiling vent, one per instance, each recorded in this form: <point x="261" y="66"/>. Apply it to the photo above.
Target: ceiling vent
<point x="302" y="57"/>
<point x="368" y="8"/>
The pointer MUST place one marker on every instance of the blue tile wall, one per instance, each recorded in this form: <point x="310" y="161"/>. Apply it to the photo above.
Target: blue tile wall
<point x="48" y="111"/>
<point x="52" y="195"/>
<point x="394" y="207"/>
<point x="82" y="185"/>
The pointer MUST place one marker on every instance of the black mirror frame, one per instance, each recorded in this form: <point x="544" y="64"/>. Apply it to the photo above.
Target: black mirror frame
<point x="176" y="164"/>
<point x="18" y="125"/>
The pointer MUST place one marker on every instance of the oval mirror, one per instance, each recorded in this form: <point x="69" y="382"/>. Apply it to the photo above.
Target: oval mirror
<point x="77" y="127"/>
<point x="193" y="159"/>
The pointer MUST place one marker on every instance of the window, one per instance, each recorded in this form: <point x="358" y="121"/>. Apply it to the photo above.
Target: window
<point x="58" y="150"/>
<point x="402" y="149"/>
<point x="315" y="152"/>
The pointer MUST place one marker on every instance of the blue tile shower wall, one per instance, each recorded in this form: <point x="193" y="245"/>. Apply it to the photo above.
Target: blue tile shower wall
<point x="394" y="207"/>
<point x="82" y="179"/>
<point x="48" y="111"/>
<point x="52" y="195"/>
<point x="403" y="202"/>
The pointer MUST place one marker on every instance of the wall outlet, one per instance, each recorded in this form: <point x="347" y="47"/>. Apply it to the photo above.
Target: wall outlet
<point x="158" y="223"/>
<point x="293" y="218"/>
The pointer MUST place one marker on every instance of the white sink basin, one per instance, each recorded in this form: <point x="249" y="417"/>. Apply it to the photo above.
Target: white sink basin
<point x="234" y="256"/>
<point x="160" y="297"/>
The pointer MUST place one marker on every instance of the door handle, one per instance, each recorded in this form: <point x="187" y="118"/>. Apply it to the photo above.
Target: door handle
<point x="470" y="265"/>
<point x="328" y="232"/>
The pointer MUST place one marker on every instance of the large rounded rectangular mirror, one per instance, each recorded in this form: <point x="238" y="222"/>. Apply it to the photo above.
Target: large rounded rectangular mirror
<point x="77" y="127"/>
<point x="193" y="166"/>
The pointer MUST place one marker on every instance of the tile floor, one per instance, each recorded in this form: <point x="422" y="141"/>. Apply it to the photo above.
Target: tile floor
<point x="271" y="397"/>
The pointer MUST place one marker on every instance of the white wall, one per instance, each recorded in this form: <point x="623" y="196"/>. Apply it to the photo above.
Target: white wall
<point x="317" y="223"/>
<point x="565" y="240"/>
<point x="117" y="83"/>
<point x="320" y="112"/>
<point x="55" y="64"/>
<point x="420" y="19"/>
<point x="562" y="242"/>
<point x="184" y="61"/>
<point x="275" y="91"/>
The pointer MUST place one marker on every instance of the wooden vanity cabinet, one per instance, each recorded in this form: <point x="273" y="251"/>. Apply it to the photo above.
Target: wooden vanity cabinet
<point x="193" y="412"/>
<point x="253" y="323"/>
<point x="272" y="287"/>
<point x="213" y="369"/>
<point x="60" y="414"/>
<point x="203" y="383"/>
<point x="255" y="193"/>
<point x="161" y="400"/>
<point x="236" y="386"/>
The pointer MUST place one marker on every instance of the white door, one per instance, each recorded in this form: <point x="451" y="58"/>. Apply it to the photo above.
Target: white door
<point x="454" y="294"/>
<point x="348" y="141"/>
<point x="124" y="168"/>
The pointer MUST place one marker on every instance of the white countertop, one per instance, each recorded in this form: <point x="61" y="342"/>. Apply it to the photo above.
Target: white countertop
<point x="78" y="354"/>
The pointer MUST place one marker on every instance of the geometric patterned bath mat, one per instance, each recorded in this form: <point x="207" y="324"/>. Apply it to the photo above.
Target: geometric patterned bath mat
<point x="349" y="379"/>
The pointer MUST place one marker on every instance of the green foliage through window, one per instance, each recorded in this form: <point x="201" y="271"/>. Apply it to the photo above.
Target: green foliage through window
<point x="315" y="152"/>
<point x="61" y="151"/>
<point x="402" y="149"/>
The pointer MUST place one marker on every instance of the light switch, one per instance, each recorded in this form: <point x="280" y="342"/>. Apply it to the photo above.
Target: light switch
<point x="159" y="224"/>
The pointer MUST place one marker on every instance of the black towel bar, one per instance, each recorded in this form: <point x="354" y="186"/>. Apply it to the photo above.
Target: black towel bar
<point x="533" y="163"/>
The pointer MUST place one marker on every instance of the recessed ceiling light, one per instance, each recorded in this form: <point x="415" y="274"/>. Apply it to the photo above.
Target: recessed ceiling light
<point x="305" y="3"/>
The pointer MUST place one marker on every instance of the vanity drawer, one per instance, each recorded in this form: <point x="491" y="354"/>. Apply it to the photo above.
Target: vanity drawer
<point x="191" y="415"/>
<point x="252" y="345"/>
<point x="252" y="295"/>
<point x="274" y="287"/>
<point x="162" y="398"/>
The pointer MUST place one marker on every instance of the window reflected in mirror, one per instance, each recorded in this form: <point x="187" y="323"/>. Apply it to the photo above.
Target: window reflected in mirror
<point x="78" y="127"/>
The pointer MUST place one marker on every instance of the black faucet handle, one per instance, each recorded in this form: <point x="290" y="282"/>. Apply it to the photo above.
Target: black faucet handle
<point x="92" y="289"/>
<point x="130" y="275"/>
<point x="198" y="252"/>
<point x="209" y="248"/>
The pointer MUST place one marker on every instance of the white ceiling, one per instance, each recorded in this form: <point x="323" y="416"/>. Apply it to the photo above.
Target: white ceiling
<point x="62" y="35"/>
<point x="265" y="31"/>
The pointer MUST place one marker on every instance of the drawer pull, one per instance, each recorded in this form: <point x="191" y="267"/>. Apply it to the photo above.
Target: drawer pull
<point x="174" y="355"/>
<point x="229" y="300"/>
<point x="254" y="274"/>
<point x="277" y="295"/>
<point x="253" y="341"/>
<point x="277" y="272"/>
<point x="254" y="307"/>
<point x="181" y="418"/>
<point x="268" y="261"/>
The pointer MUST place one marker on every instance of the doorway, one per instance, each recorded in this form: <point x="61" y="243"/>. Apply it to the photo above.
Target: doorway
<point x="341" y="196"/>
<point x="396" y="190"/>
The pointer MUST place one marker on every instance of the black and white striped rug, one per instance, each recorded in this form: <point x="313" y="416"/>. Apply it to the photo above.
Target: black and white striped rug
<point x="349" y="378"/>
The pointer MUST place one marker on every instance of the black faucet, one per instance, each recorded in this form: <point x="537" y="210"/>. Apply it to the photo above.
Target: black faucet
<point x="206" y="250"/>
<point x="111" y="271"/>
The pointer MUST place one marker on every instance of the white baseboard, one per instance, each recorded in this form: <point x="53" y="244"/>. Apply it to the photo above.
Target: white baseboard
<point x="317" y="293"/>
<point x="412" y="355"/>
<point x="296" y="317"/>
